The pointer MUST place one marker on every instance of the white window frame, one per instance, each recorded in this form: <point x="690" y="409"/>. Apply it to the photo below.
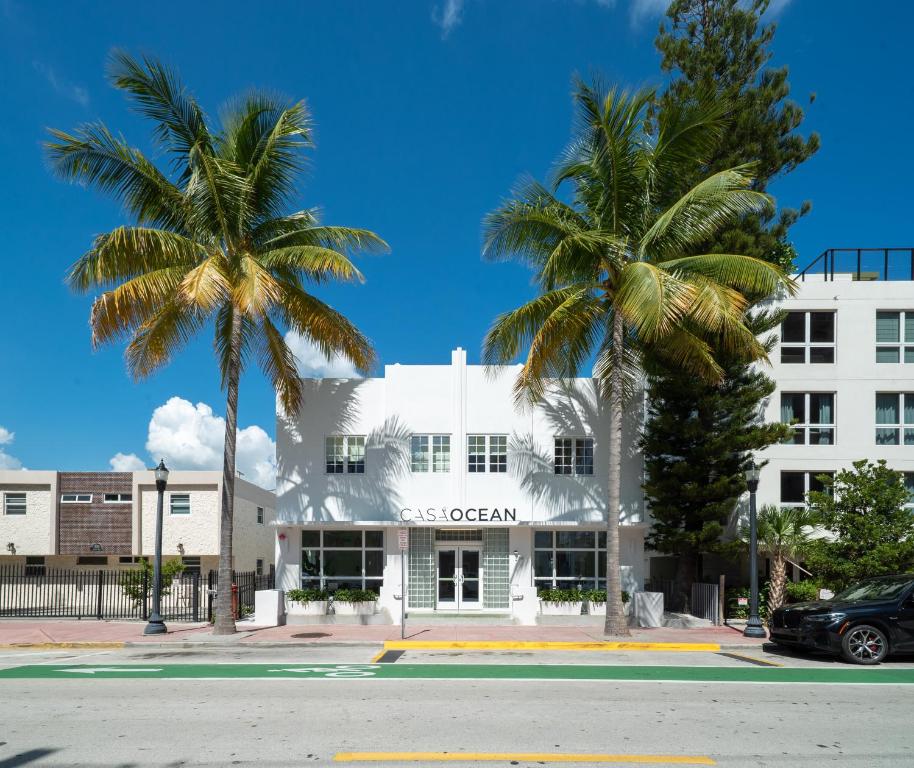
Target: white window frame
<point x="808" y="476"/>
<point x="430" y="453"/>
<point x="903" y="345"/>
<point x="806" y="425"/>
<point x="489" y="456"/>
<point x="807" y="345"/>
<point x="349" y="444"/>
<point x="908" y="480"/>
<point x="320" y="581"/>
<point x="18" y="496"/>
<point x="901" y="427"/>
<point x="575" y="444"/>
<point x="120" y="498"/>
<point x="260" y="516"/>
<point x="556" y="581"/>
<point x="76" y="498"/>
<point x="171" y="503"/>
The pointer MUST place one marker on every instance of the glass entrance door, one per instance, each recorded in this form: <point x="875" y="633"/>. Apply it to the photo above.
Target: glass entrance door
<point x="459" y="579"/>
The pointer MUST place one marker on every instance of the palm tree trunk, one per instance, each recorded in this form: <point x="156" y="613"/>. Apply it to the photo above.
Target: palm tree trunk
<point x="778" y="582"/>
<point x="225" y="618"/>
<point x="615" y="618"/>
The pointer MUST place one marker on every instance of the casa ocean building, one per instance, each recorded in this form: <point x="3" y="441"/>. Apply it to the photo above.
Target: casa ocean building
<point x="497" y="500"/>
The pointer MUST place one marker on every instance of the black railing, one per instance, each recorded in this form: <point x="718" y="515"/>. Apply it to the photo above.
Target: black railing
<point x="246" y="583"/>
<point x="864" y="264"/>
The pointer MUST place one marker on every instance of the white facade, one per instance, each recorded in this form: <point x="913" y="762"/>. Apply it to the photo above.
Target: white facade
<point x="33" y="532"/>
<point x="487" y="520"/>
<point x="851" y="383"/>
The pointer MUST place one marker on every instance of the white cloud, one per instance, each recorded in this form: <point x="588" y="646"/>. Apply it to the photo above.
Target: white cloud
<point x="448" y="16"/>
<point x="126" y="462"/>
<point x="7" y="461"/>
<point x="312" y="364"/>
<point x="191" y="436"/>
<point x="641" y="10"/>
<point x="776" y="7"/>
<point x="61" y="85"/>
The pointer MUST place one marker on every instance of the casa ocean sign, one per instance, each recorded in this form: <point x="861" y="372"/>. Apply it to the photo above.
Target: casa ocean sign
<point x="458" y="515"/>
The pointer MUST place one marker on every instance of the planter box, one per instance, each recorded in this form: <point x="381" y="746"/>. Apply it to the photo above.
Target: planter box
<point x="355" y="609"/>
<point x="311" y="608"/>
<point x="597" y="608"/>
<point x="548" y="608"/>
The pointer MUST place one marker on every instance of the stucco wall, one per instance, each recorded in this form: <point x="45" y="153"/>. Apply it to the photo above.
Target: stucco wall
<point x="33" y="533"/>
<point x="251" y="540"/>
<point x="198" y="532"/>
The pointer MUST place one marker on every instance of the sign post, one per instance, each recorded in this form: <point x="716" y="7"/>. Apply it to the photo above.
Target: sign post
<point x="403" y="536"/>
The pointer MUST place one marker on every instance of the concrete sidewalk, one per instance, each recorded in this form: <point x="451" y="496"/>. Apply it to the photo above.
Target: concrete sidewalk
<point x="88" y="633"/>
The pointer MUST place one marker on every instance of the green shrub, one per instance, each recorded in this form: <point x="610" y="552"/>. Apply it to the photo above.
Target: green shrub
<point x="552" y="595"/>
<point x="354" y="596"/>
<point x="735" y="611"/>
<point x="310" y="595"/>
<point x="133" y="581"/>
<point x="801" y="591"/>
<point x="599" y="595"/>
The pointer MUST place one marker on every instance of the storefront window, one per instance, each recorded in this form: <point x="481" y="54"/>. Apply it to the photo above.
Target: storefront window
<point x="569" y="559"/>
<point x="344" y="558"/>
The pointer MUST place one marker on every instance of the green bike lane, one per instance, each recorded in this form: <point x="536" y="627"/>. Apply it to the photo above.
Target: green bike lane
<point x="884" y="675"/>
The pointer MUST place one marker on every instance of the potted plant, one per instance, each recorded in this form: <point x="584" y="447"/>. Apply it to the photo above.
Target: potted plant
<point x="306" y="602"/>
<point x="354" y="602"/>
<point x="596" y="601"/>
<point x="560" y="602"/>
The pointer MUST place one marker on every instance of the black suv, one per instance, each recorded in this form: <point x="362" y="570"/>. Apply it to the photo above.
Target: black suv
<point x="864" y="623"/>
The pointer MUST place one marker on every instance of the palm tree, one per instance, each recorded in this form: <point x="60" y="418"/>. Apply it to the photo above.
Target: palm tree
<point x="613" y="281"/>
<point x="212" y="244"/>
<point x="783" y="532"/>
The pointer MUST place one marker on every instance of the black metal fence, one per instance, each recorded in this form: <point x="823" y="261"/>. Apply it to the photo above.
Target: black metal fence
<point x="706" y="602"/>
<point x="861" y="264"/>
<point x="118" y="594"/>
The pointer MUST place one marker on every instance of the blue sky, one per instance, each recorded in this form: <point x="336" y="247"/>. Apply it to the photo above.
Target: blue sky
<point x="426" y="113"/>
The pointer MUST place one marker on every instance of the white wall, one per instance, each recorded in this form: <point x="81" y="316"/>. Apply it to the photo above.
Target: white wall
<point x="35" y="532"/>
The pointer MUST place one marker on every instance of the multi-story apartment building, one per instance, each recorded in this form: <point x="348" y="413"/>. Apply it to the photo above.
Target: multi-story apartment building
<point x="107" y="519"/>
<point x="844" y="368"/>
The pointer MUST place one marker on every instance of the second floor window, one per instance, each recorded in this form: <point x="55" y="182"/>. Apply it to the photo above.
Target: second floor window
<point x="179" y="503"/>
<point x="895" y="337"/>
<point x="808" y="337"/>
<point x="812" y="416"/>
<point x="574" y="456"/>
<point x="795" y="486"/>
<point x="76" y="498"/>
<point x="14" y="503"/>
<point x="487" y="453"/>
<point x="895" y="418"/>
<point x="259" y="515"/>
<point x="909" y="487"/>
<point x="430" y="452"/>
<point x="345" y="454"/>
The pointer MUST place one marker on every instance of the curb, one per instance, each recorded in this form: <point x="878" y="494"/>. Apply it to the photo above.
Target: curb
<point x="509" y="645"/>
<point x="73" y="644"/>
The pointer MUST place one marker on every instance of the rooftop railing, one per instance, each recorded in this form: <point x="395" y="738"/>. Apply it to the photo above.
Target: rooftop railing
<point x="868" y="264"/>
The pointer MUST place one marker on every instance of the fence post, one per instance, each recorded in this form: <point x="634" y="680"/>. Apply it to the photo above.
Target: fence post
<point x="98" y="598"/>
<point x="721" y="600"/>
<point x="196" y="598"/>
<point x="145" y="593"/>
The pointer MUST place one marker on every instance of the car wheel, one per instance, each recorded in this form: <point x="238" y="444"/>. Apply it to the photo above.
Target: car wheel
<point x="864" y="644"/>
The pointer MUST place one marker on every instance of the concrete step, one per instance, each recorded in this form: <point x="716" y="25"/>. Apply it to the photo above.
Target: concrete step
<point x="462" y="619"/>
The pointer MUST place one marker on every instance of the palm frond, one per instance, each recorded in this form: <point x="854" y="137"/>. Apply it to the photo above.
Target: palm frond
<point x="206" y="286"/>
<point x="315" y="262"/>
<point x="161" y="337"/>
<point x="278" y="362"/>
<point x="751" y="276"/>
<point x="651" y="300"/>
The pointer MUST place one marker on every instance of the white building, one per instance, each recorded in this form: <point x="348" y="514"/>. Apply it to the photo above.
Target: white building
<point x="107" y="519"/>
<point x="496" y="499"/>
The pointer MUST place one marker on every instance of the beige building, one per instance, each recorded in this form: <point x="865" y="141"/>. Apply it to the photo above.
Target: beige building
<point x="107" y="519"/>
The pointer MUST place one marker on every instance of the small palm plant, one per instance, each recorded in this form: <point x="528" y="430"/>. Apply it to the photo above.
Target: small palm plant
<point x="212" y="246"/>
<point x="612" y="267"/>
<point x="783" y="533"/>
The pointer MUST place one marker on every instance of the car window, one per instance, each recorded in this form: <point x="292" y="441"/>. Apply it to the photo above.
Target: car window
<point x="875" y="589"/>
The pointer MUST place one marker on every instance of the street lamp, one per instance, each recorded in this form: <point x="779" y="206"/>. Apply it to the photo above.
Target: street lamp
<point x="754" y="626"/>
<point x="156" y="625"/>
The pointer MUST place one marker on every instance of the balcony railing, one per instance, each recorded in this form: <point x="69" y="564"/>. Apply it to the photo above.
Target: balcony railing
<point x="868" y="264"/>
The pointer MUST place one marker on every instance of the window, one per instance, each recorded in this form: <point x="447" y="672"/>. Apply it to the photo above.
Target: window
<point x="76" y="498"/>
<point x="808" y="337"/>
<point x="795" y="486"/>
<point x="179" y="503"/>
<point x="440" y="459"/>
<point x="574" y="455"/>
<point x="572" y="559"/>
<point x="92" y="560"/>
<point x="909" y="487"/>
<point x="118" y="498"/>
<point x="14" y="503"/>
<point x="258" y="568"/>
<point x="487" y="451"/>
<point x="345" y="454"/>
<point x="259" y="515"/>
<point x="128" y="559"/>
<point x="498" y="453"/>
<point x="342" y="559"/>
<point x="812" y="416"/>
<point x="476" y="453"/>
<point x="191" y="564"/>
<point x="891" y="345"/>
<point x="895" y="418"/>
<point x="34" y="565"/>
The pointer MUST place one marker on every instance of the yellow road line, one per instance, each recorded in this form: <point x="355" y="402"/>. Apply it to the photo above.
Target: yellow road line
<point x="541" y="757"/>
<point x="378" y="655"/>
<point x="519" y="645"/>
<point x="754" y="660"/>
<point x="45" y="646"/>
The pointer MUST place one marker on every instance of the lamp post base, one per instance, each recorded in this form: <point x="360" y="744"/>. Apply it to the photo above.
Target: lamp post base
<point x="755" y="629"/>
<point x="156" y="626"/>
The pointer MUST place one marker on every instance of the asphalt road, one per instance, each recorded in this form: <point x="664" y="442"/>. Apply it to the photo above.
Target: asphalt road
<point x="297" y="722"/>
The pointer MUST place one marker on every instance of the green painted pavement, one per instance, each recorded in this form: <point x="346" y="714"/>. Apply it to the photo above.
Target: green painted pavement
<point x="832" y="675"/>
